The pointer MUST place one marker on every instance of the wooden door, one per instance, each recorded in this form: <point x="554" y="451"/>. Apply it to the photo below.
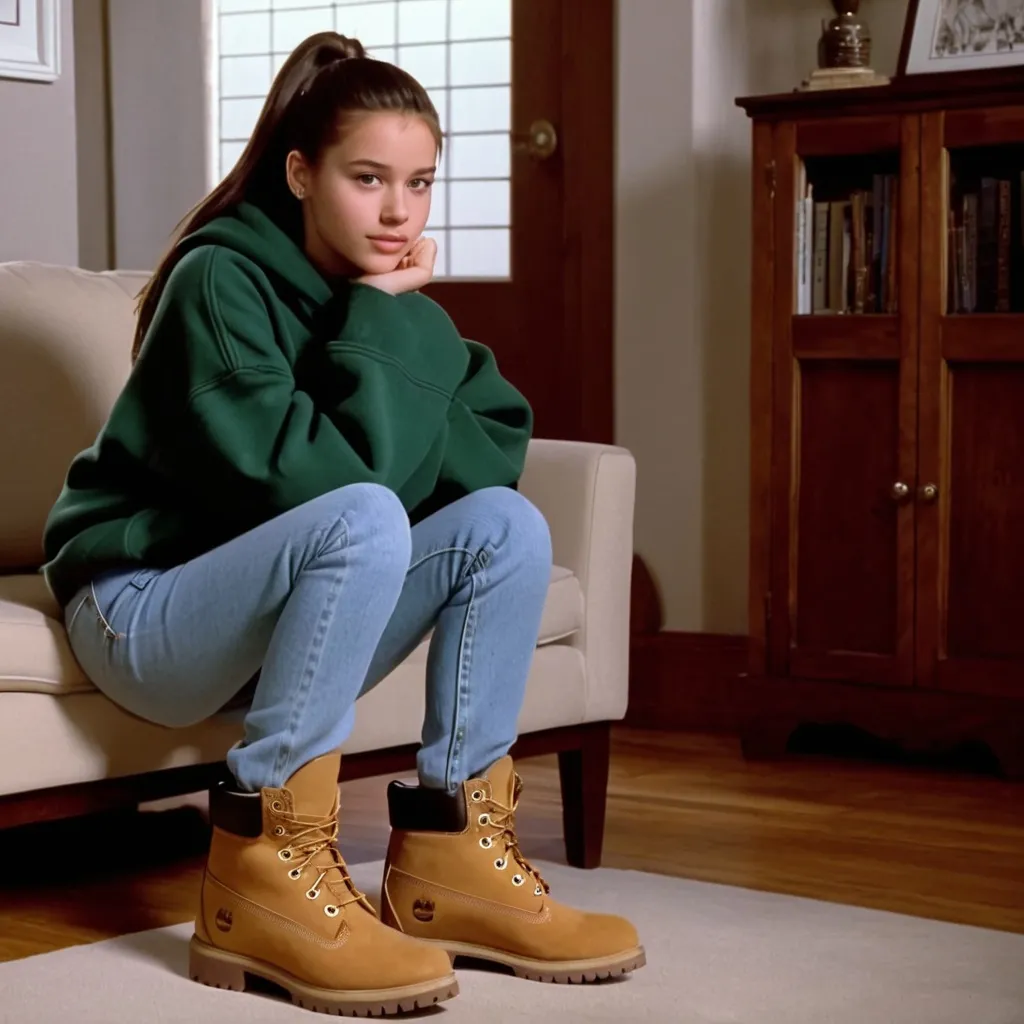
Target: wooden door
<point x="524" y="222"/>
<point x="841" y="598"/>
<point x="970" y="634"/>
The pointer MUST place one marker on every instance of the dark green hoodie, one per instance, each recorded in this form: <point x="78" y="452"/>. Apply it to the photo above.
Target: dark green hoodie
<point x="259" y="387"/>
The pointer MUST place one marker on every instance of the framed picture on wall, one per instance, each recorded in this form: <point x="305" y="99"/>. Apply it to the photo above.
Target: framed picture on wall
<point x="30" y="40"/>
<point x="962" y="35"/>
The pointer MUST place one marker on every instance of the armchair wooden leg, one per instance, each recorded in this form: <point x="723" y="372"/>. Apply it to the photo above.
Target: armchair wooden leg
<point x="584" y="778"/>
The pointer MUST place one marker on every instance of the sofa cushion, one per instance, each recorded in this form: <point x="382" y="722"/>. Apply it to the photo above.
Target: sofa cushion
<point x="35" y="655"/>
<point x="65" y="352"/>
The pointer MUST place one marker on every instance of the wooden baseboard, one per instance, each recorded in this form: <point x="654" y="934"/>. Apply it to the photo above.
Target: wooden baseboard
<point x="686" y="681"/>
<point x="699" y="682"/>
<point x="904" y="722"/>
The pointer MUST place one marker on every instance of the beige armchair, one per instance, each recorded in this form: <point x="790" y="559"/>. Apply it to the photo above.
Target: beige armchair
<point x="65" y="338"/>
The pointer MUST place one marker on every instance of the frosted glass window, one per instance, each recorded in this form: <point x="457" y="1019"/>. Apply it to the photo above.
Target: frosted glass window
<point x="438" y="207"/>
<point x="459" y="50"/>
<point x="423" y="22"/>
<point x="373" y="24"/>
<point x="227" y="6"/>
<point x="238" y="117"/>
<point x="441" y="263"/>
<point x="439" y="97"/>
<point x="245" y="76"/>
<point x="481" y="19"/>
<point x="291" y="27"/>
<point x="244" y="33"/>
<point x="479" y="253"/>
<point x="229" y="154"/>
<point x="479" y="204"/>
<point x="480" y="156"/>
<point x="427" y="64"/>
<point x="481" y="63"/>
<point x="481" y="110"/>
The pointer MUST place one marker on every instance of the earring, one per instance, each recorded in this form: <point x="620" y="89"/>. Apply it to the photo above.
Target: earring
<point x="300" y="193"/>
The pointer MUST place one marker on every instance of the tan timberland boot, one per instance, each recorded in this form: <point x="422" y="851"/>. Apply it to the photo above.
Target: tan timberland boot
<point x="277" y="902"/>
<point x="455" y="876"/>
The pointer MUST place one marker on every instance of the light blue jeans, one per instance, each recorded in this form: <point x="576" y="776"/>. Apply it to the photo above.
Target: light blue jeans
<point x="323" y="602"/>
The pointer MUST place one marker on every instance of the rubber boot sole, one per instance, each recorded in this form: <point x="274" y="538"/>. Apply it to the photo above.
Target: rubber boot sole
<point x="561" y="972"/>
<point x="220" y="969"/>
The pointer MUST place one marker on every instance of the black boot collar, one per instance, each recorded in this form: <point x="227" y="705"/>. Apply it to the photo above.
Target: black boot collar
<point x="418" y="809"/>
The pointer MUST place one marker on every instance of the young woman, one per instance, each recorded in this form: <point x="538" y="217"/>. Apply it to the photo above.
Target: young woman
<point x="307" y="471"/>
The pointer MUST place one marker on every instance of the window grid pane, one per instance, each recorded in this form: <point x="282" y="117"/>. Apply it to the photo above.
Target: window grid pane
<point x="460" y="50"/>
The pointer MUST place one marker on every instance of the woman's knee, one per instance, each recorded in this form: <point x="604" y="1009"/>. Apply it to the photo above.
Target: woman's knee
<point x="522" y="522"/>
<point x="363" y="514"/>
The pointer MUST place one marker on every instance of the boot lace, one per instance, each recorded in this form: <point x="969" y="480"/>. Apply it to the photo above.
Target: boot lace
<point x="503" y="819"/>
<point x="307" y="838"/>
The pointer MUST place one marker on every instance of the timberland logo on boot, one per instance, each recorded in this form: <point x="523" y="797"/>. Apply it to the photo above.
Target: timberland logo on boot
<point x="224" y="920"/>
<point x="423" y="910"/>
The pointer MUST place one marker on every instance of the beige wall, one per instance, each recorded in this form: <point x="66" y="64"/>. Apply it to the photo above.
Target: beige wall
<point x="95" y="226"/>
<point x="142" y="118"/>
<point x="158" y="122"/>
<point x="683" y="249"/>
<point x="38" y="201"/>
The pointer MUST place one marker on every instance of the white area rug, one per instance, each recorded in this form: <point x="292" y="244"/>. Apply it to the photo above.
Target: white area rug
<point x="716" y="955"/>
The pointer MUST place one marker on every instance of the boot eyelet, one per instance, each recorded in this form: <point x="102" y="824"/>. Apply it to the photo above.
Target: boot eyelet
<point x="538" y="891"/>
<point x="331" y="911"/>
<point x="518" y="879"/>
<point x="501" y="863"/>
<point x="279" y="831"/>
<point x="277" y="806"/>
<point x="476" y="796"/>
<point x="484" y="819"/>
<point x="285" y="854"/>
<point x="486" y="842"/>
<point x="295" y="874"/>
<point x="312" y="894"/>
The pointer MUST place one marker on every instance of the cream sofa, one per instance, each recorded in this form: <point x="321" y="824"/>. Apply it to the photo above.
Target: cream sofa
<point x="65" y="336"/>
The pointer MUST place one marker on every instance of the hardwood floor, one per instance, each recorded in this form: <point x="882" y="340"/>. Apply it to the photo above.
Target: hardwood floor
<point x="908" y="840"/>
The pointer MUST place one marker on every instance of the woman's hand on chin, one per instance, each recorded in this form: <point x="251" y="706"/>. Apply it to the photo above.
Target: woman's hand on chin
<point x="414" y="272"/>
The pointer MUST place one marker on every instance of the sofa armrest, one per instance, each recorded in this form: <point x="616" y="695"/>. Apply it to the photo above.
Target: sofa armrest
<point x="587" y="493"/>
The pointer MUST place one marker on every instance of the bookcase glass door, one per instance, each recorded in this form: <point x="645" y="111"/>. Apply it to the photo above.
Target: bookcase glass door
<point x="845" y="386"/>
<point x="847" y="218"/>
<point x="971" y="469"/>
<point x="460" y="50"/>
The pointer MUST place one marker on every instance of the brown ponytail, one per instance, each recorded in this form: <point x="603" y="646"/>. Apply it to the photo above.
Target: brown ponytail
<point x="326" y="77"/>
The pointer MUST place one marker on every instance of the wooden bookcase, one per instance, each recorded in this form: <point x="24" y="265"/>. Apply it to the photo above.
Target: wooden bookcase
<point x="887" y="449"/>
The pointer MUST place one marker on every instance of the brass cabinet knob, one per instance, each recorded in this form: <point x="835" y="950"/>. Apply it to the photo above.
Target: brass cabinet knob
<point x="900" y="491"/>
<point x="929" y="492"/>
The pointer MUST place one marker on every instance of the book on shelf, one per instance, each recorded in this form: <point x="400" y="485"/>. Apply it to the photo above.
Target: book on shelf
<point x="983" y="250"/>
<point x="846" y="249"/>
<point x="804" y="263"/>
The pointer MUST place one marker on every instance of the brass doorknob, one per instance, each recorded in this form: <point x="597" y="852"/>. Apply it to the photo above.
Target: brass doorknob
<point x="900" y="491"/>
<point x="929" y="492"/>
<point x="540" y="141"/>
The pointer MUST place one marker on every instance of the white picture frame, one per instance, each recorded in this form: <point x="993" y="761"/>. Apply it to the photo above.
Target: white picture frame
<point x="30" y="40"/>
<point x="962" y="35"/>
